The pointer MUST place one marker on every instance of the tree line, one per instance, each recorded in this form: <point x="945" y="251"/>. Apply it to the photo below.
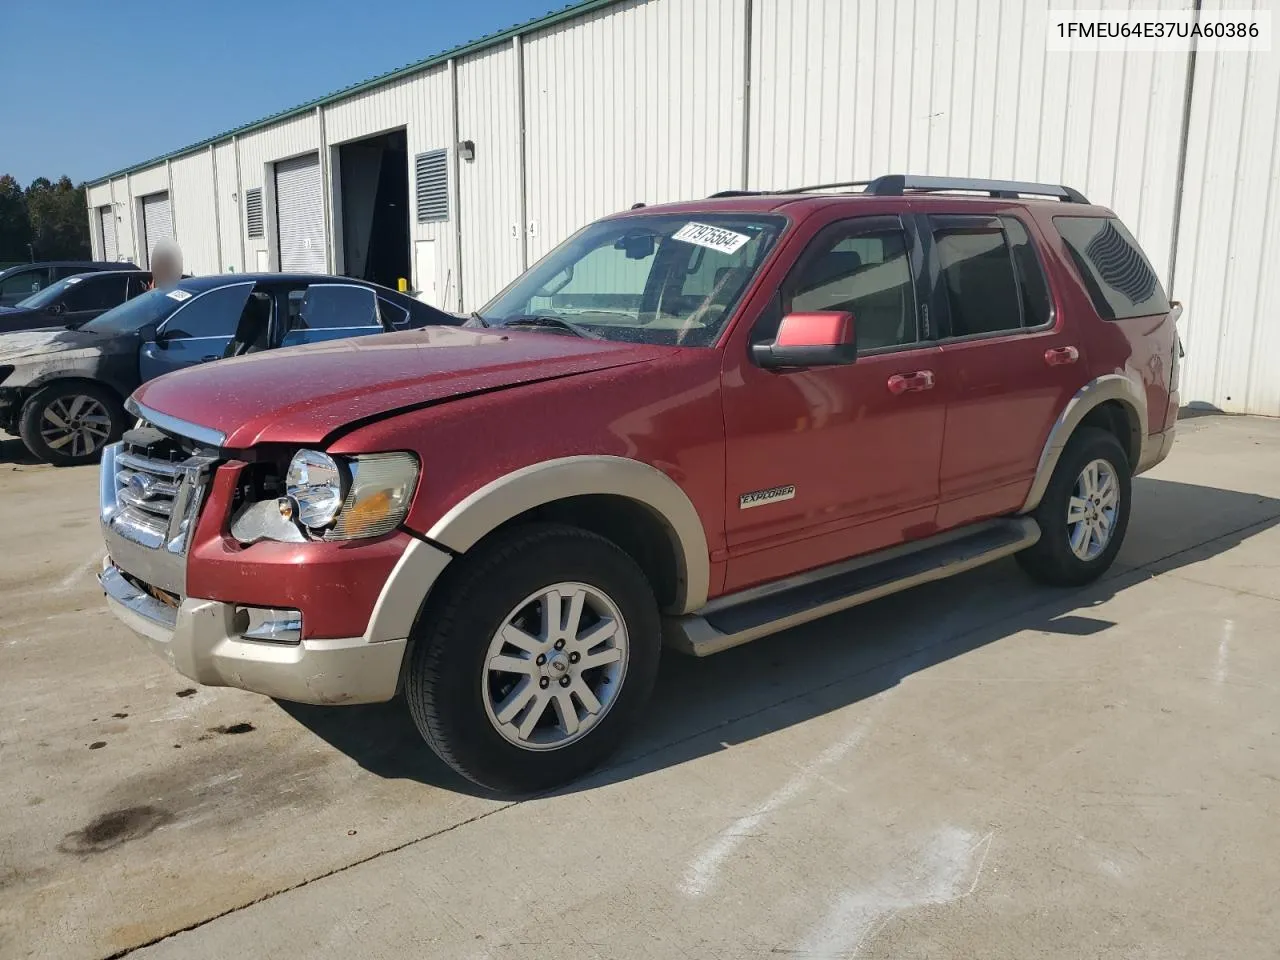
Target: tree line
<point x="46" y="221"/>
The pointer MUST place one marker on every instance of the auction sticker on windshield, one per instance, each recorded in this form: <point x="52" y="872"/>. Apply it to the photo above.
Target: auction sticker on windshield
<point x="178" y="295"/>
<point x="713" y="238"/>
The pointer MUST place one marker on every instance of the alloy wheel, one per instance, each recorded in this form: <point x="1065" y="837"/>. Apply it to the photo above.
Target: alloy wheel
<point x="555" y="666"/>
<point x="1092" y="510"/>
<point x="77" y="425"/>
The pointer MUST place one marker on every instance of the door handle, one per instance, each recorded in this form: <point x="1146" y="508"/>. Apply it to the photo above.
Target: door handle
<point x="210" y="358"/>
<point x="901" y="383"/>
<point x="1061" y="356"/>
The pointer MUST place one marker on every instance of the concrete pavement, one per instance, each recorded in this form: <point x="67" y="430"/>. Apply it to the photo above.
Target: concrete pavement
<point x="977" y="768"/>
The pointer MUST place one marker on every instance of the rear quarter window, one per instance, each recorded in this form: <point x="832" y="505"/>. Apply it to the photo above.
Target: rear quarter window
<point x="1113" y="267"/>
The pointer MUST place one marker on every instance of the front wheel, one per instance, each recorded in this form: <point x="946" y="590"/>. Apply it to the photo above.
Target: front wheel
<point x="68" y="423"/>
<point x="1084" y="513"/>
<point x="538" y="659"/>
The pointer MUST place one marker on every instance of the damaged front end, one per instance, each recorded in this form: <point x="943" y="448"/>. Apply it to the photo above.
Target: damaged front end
<point x="10" y="402"/>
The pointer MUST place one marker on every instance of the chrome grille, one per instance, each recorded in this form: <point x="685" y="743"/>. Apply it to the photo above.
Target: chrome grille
<point x="146" y="490"/>
<point x="151" y="493"/>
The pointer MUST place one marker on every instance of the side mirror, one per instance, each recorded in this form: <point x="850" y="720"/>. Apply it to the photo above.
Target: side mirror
<point x="161" y="339"/>
<point x="56" y="309"/>
<point x="822" y="339"/>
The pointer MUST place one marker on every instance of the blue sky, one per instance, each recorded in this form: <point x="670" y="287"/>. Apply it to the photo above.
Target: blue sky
<point x="89" y="86"/>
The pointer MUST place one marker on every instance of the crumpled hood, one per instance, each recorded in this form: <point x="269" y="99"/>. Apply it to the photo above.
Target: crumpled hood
<point x="39" y="345"/>
<point x="304" y="394"/>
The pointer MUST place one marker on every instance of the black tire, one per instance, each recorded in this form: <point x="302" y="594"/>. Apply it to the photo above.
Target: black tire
<point x="446" y="685"/>
<point x="84" y="446"/>
<point x="1051" y="560"/>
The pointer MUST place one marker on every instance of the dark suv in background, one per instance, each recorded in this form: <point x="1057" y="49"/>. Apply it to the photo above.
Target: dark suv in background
<point x="18" y="283"/>
<point x="73" y="301"/>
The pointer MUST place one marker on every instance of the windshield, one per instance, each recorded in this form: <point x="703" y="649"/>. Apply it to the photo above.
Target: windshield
<point x="659" y="279"/>
<point x="42" y="298"/>
<point x="150" y="307"/>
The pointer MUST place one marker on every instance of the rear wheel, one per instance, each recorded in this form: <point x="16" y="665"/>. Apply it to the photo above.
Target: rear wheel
<point x="538" y="660"/>
<point x="1084" y="513"/>
<point x="68" y="423"/>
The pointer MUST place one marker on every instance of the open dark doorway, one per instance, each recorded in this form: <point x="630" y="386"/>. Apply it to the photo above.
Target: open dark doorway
<point x="375" y="208"/>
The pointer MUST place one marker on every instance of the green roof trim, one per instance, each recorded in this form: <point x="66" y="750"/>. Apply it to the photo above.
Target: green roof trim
<point x="491" y="40"/>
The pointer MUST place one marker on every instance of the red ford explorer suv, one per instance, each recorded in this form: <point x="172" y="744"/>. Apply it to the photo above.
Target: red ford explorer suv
<point x="691" y="425"/>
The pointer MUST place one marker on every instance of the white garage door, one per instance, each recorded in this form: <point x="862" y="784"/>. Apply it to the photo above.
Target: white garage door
<point x="107" y="225"/>
<point x="300" y="215"/>
<point x="157" y="221"/>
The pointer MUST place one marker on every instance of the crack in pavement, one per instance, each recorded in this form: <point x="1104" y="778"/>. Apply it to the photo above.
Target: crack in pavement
<point x="307" y="882"/>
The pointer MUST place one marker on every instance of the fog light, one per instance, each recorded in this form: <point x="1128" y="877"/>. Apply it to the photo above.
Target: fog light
<point x="268" y="624"/>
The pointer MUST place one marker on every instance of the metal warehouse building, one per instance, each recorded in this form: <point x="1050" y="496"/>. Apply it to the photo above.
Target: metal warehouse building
<point x="457" y="172"/>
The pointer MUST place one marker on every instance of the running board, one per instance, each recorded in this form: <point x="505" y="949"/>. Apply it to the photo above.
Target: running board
<point x="745" y="616"/>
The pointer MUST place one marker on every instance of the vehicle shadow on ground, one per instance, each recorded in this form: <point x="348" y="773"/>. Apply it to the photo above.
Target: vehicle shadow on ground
<point x="14" y="451"/>
<point x="704" y="705"/>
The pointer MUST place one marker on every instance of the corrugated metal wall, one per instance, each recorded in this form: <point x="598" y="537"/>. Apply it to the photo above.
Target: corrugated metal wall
<point x="1229" y="235"/>
<point x="489" y="186"/>
<point x="95" y="197"/>
<point x="148" y="183"/>
<point x="656" y="100"/>
<point x="195" y="202"/>
<point x="228" y="200"/>
<point x="848" y="91"/>
<point x="423" y="105"/>
<point x="636" y="102"/>
<point x="259" y="152"/>
<point x="124" y="219"/>
<point x="151" y="180"/>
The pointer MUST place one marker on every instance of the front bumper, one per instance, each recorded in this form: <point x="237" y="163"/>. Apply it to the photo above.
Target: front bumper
<point x="312" y="622"/>
<point x="201" y="640"/>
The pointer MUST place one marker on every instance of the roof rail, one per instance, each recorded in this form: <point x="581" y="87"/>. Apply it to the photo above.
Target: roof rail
<point x="826" y="186"/>
<point x="896" y="184"/>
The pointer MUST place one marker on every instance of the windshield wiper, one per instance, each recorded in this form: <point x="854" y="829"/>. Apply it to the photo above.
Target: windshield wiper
<point x="478" y="319"/>
<point x="544" y="320"/>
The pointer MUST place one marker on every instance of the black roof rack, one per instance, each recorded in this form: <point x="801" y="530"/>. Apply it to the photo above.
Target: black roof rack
<point x="895" y="185"/>
<point x="898" y="184"/>
<point x="828" y="186"/>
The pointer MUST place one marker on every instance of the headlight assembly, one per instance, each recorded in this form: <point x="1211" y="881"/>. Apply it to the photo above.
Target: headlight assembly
<point x="314" y="484"/>
<point x="382" y="488"/>
<point x="349" y="498"/>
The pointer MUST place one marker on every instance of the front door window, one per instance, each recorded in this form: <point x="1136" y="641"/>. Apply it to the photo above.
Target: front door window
<point x="198" y="332"/>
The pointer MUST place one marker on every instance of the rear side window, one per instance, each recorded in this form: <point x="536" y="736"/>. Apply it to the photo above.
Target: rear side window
<point x="1117" y="275"/>
<point x="22" y="285"/>
<point x="977" y="271"/>
<point x="1033" y="289"/>
<point x="392" y="313"/>
<point x="96" y="293"/>
<point x="333" y="306"/>
<point x="991" y="274"/>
